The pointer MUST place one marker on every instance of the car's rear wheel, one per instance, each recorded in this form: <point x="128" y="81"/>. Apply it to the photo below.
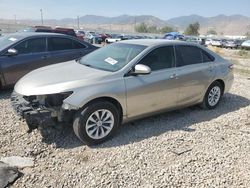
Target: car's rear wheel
<point x="212" y="96"/>
<point x="96" y="122"/>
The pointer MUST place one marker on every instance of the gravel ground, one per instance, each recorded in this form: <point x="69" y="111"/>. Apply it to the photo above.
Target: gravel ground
<point x="185" y="148"/>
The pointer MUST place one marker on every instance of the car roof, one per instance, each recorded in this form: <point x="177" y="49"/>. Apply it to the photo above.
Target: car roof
<point x="154" y="42"/>
<point x="30" y="34"/>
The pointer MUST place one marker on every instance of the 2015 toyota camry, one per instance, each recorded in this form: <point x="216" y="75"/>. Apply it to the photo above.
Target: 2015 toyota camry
<point x="120" y="83"/>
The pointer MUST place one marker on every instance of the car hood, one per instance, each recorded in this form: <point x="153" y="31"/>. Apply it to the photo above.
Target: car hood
<point x="58" y="78"/>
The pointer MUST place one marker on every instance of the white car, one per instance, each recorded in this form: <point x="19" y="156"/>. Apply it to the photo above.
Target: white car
<point x="114" y="38"/>
<point x="246" y="44"/>
<point x="216" y="42"/>
<point x="208" y="42"/>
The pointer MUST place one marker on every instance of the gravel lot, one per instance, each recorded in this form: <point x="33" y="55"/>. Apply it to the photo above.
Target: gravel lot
<point x="184" y="148"/>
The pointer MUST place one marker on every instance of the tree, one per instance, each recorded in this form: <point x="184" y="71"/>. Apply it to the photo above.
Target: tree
<point x="211" y="32"/>
<point x="142" y="28"/>
<point x="248" y="35"/>
<point x="192" y="29"/>
<point x="166" y="29"/>
<point x="152" y="29"/>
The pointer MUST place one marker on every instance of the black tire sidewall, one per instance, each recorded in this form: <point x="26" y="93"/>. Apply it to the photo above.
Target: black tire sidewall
<point x="82" y="116"/>
<point x="205" y="100"/>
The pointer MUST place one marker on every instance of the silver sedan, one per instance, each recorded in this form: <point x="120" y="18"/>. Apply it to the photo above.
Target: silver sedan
<point x="122" y="82"/>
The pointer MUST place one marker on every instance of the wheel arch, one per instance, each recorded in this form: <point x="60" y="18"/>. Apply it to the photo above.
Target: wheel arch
<point x="108" y="99"/>
<point x="222" y="84"/>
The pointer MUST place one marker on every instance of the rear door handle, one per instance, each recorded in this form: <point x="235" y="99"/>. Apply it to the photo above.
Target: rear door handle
<point x="174" y="76"/>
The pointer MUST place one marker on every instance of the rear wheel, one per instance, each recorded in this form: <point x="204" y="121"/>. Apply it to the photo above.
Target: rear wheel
<point x="96" y="123"/>
<point x="212" y="96"/>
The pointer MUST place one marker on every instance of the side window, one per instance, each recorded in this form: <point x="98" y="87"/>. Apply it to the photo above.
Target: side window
<point x="31" y="46"/>
<point x="188" y="55"/>
<point x="160" y="58"/>
<point x="77" y="45"/>
<point x="57" y="43"/>
<point x="207" y="57"/>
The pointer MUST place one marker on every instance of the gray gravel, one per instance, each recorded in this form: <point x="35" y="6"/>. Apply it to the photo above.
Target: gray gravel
<point x="185" y="148"/>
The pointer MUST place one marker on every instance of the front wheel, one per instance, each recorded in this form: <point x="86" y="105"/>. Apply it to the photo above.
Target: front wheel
<point x="212" y="96"/>
<point x="96" y="123"/>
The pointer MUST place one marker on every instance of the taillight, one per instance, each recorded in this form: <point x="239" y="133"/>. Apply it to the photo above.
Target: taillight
<point x="231" y="66"/>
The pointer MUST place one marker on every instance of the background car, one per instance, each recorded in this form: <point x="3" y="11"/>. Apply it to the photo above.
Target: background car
<point x="93" y="37"/>
<point x="230" y="44"/>
<point x="194" y="39"/>
<point x="216" y="42"/>
<point x="46" y="29"/>
<point x="114" y="38"/>
<point x="66" y="31"/>
<point x="246" y="44"/>
<point x="22" y="52"/>
<point x="208" y="42"/>
<point x="80" y="34"/>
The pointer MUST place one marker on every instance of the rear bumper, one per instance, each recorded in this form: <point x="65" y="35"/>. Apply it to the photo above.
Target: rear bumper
<point x="33" y="113"/>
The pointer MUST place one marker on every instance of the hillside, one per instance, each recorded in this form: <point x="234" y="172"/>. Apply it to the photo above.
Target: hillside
<point x="228" y="25"/>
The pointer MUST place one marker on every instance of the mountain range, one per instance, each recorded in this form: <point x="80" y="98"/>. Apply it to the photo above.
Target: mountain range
<point x="222" y="24"/>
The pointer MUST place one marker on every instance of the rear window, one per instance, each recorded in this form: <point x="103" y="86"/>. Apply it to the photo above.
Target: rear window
<point x="188" y="55"/>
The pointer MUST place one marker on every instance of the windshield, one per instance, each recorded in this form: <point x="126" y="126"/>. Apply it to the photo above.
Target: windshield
<point x="8" y="40"/>
<point x="112" y="57"/>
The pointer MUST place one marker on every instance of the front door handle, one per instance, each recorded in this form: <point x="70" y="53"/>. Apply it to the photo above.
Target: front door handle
<point x="44" y="57"/>
<point x="174" y="76"/>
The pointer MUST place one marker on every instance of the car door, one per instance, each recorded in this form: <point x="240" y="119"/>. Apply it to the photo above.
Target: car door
<point x="31" y="54"/>
<point x="64" y="49"/>
<point x="194" y="73"/>
<point x="157" y="90"/>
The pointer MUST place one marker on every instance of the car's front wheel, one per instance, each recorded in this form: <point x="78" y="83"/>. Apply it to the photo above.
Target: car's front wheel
<point x="96" y="123"/>
<point x="212" y="96"/>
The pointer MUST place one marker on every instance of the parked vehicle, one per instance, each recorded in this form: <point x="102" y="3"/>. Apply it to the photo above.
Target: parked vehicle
<point x="208" y="42"/>
<point x="230" y="44"/>
<point x="194" y="39"/>
<point x="114" y="38"/>
<point x="93" y="38"/>
<point x="38" y="28"/>
<point x="246" y="44"/>
<point x="21" y="53"/>
<point x="216" y="42"/>
<point x="173" y="36"/>
<point x="80" y="34"/>
<point x="66" y="31"/>
<point x="104" y="36"/>
<point x="122" y="82"/>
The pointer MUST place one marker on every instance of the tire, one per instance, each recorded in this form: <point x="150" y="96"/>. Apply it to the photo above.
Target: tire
<point x="212" y="96"/>
<point x="93" y="130"/>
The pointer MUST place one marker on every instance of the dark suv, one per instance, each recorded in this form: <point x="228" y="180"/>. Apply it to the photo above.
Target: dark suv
<point x="21" y="53"/>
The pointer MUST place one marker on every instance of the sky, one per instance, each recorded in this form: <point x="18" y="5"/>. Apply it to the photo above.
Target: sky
<point x="164" y="9"/>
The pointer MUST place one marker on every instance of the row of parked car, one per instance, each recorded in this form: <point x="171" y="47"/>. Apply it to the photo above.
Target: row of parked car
<point x="228" y="43"/>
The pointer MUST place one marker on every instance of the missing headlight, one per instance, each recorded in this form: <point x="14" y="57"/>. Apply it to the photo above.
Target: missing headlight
<point x="56" y="99"/>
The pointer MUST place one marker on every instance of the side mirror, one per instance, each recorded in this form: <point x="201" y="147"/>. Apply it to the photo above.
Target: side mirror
<point x="141" y="70"/>
<point x="12" y="52"/>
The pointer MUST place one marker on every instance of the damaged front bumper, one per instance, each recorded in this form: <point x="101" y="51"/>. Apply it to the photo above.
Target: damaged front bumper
<point x="34" y="113"/>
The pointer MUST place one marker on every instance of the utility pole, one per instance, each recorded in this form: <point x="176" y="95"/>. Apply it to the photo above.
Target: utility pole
<point x="78" y="22"/>
<point x="15" y="19"/>
<point x="135" y="25"/>
<point x="41" y="10"/>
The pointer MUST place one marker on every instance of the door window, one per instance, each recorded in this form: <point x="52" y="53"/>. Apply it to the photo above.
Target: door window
<point x="57" y="43"/>
<point x="188" y="55"/>
<point x="160" y="58"/>
<point x="31" y="46"/>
